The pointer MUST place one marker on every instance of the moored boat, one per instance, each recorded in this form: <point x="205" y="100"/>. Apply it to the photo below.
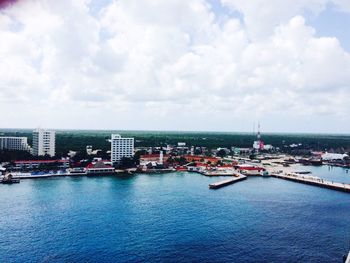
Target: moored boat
<point x="8" y="179"/>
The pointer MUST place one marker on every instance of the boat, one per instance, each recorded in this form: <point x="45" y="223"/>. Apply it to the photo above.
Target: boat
<point x="8" y="179"/>
<point x="302" y="172"/>
<point x="265" y="174"/>
<point x="315" y="161"/>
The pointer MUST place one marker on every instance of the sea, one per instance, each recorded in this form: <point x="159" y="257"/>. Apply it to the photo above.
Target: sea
<point x="173" y="217"/>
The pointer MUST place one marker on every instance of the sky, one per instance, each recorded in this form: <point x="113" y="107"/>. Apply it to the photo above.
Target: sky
<point x="191" y="65"/>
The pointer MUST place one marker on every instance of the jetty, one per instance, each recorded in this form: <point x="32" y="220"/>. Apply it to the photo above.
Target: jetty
<point x="312" y="180"/>
<point x="223" y="183"/>
<point x="220" y="173"/>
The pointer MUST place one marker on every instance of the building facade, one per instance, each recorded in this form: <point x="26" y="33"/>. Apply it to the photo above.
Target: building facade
<point x="36" y="164"/>
<point x="121" y="147"/>
<point x="158" y="158"/>
<point x="44" y="142"/>
<point x="14" y="143"/>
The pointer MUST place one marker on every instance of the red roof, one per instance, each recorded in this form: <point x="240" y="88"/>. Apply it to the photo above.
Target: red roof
<point x="198" y="157"/>
<point x="98" y="165"/>
<point x="226" y="165"/>
<point x="156" y="155"/>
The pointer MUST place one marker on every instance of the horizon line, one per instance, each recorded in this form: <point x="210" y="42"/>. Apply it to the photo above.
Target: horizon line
<point x="185" y="131"/>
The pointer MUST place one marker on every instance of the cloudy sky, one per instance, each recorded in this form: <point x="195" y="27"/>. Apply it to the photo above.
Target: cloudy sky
<point x="176" y="64"/>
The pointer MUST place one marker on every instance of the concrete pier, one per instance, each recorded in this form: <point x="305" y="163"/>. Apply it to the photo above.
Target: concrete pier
<point x="41" y="176"/>
<point x="223" y="183"/>
<point x="311" y="180"/>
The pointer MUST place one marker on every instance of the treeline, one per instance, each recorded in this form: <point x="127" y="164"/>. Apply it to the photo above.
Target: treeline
<point x="78" y="140"/>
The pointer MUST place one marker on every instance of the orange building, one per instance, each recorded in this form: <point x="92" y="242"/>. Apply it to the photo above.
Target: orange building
<point x="204" y="159"/>
<point x="153" y="158"/>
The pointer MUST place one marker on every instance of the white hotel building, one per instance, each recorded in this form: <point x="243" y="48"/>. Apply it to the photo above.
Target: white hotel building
<point x="43" y="142"/>
<point x="14" y="143"/>
<point x="121" y="147"/>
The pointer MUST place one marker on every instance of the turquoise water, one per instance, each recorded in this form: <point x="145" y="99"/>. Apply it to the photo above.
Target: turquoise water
<point x="330" y="173"/>
<point x="171" y="218"/>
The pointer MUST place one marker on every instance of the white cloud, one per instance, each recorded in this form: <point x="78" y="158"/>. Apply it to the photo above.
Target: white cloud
<point x="168" y="60"/>
<point x="262" y="16"/>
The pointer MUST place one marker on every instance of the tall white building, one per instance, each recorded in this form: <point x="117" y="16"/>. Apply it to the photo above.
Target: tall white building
<point x="14" y="143"/>
<point x="121" y="147"/>
<point x="44" y="142"/>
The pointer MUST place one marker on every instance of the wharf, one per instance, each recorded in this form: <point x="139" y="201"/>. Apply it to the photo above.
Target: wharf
<point x="343" y="187"/>
<point x="228" y="172"/>
<point x="223" y="183"/>
<point x="39" y="176"/>
<point x="218" y="173"/>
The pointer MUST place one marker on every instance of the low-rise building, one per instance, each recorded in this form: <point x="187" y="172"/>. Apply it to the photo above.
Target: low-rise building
<point x="99" y="168"/>
<point x="204" y="159"/>
<point x="241" y="151"/>
<point x="248" y="169"/>
<point x="157" y="158"/>
<point x="334" y="156"/>
<point x="34" y="164"/>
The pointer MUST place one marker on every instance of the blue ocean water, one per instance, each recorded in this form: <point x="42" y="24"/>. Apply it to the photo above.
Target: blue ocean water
<point x="171" y="218"/>
<point x="330" y="173"/>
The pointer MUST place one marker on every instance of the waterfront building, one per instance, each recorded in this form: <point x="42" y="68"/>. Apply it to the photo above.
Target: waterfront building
<point x="241" y="151"/>
<point x="36" y="164"/>
<point x="44" y="142"/>
<point x="334" y="156"/>
<point x="14" y="143"/>
<point x="156" y="158"/>
<point x="248" y="169"/>
<point x="99" y="168"/>
<point x="121" y="147"/>
<point x="203" y="159"/>
<point x="89" y="149"/>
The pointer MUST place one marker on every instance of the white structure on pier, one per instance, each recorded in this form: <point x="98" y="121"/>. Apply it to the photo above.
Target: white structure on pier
<point x="333" y="156"/>
<point x="161" y="157"/>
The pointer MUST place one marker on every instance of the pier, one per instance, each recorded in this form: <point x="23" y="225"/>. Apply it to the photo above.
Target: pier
<point x="312" y="180"/>
<point x="223" y="183"/>
<point x="220" y="173"/>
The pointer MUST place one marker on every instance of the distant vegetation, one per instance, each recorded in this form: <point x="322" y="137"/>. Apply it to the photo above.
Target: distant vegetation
<point x="77" y="140"/>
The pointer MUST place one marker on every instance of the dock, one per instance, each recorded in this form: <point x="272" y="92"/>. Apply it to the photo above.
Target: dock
<point x="223" y="183"/>
<point x="312" y="180"/>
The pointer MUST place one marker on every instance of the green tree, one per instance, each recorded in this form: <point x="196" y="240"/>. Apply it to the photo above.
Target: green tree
<point x="221" y="153"/>
<point x="126" y="163"/>
<point x="137" y="156"/>
<point x="182" y="160"/>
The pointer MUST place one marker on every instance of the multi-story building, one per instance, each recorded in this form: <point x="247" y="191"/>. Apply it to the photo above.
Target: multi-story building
<point x="35" y="164"/>
<point x="14" y="143"/>
<point x="43" y="142"/>
<point x="121" y="147"/>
